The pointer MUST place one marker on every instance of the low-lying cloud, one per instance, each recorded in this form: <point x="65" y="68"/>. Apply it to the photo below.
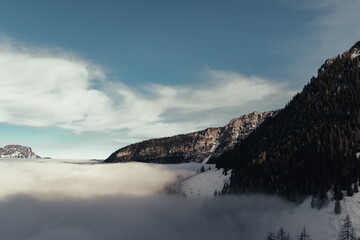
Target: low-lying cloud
<point x="50" y="199"/>
<point x="51" y="88"/>
<point x="158" y="217"/>
<point x="155" y="217"/>
<point x="59" y="179"/>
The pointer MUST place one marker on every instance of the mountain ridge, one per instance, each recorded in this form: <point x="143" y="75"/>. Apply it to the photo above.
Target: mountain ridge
<point x="200" y="146"/>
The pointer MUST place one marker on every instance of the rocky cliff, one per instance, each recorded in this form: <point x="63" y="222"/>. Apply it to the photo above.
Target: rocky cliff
<point x="17" y="151"/>
<point x="199" y="146"/>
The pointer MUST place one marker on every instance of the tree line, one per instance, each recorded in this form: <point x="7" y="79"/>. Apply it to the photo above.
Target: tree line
<point x="347" y="232"/>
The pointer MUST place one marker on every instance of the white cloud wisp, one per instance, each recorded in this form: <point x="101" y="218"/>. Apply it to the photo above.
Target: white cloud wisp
<point x="41" y="88"/>
<point x="336" y="23"/>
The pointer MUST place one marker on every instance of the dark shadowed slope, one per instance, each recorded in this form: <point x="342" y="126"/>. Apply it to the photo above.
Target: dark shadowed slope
<point x="310" y="145"/>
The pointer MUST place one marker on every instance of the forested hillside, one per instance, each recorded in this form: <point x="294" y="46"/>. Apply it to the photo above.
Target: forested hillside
<point x="309" y="146"/>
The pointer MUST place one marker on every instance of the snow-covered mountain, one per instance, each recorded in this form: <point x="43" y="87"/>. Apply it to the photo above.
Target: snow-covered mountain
<point x="200" y="146"/>
<point x="17" y="151"/>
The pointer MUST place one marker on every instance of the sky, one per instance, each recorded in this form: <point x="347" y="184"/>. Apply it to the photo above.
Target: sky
<point x="80" y="79"/>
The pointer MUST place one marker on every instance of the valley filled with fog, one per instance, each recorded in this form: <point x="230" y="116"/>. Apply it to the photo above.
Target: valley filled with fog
<point x="61" y="199"/>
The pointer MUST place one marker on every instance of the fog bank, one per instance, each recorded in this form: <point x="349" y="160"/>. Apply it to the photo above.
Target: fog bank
<point x="124" y="217"/>
<point x="41" y="200"/>
<point x="70" y="179"/>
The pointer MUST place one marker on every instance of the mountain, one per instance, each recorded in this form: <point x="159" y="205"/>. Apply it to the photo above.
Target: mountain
<point x="312" y="145"/>
<point x="199" y="146"/>
<point x="17" y="151"/>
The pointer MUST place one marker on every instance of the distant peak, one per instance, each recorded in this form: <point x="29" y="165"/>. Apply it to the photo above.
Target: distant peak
<point x="356" y="45"/>
<point x="355" y="50"/>
<point x="17" y="151"/>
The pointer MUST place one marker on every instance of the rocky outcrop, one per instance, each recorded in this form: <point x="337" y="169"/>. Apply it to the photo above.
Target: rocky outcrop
<point x="238" y="129"/>
<point x="198" y="146"/>
<point x="17" y="151"/>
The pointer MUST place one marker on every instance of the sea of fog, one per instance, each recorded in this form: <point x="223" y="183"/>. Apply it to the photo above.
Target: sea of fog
<point x="67" y="199"/>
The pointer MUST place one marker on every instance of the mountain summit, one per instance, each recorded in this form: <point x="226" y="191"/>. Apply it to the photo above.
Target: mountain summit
<point x="17" y="151"/>
<point x="356" y="45"/>
<point x="310" y="146"/>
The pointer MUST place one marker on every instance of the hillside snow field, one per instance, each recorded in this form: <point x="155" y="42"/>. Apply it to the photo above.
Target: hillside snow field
<point x="321" y="223"/>
<point x="204" y="184"/>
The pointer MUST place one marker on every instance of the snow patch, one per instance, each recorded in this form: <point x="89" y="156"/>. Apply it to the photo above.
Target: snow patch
<point x="211" y="152"/>
<point x="349" y="206"/>
<point x="355" y="54"/>
<point x="203" y="185"/>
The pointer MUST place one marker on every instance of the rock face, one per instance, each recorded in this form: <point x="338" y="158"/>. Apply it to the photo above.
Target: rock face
<point x="17" y="151"/>
<point x="199" y="146"/>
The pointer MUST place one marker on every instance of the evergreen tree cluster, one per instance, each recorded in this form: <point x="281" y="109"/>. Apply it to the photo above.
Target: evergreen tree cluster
<point x="346" y="232"/>
<point x="283" y="235"/>
<point x="310" y="145"/>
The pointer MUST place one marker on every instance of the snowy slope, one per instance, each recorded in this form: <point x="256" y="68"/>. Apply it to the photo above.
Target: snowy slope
<point x="204" y="184"/>
<point x="320" y="224"/>
<point x="197" y="184"/>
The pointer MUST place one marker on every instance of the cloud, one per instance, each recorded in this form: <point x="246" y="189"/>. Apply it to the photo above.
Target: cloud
<point x="67" y="200"/>
<point x="46" y="179"/>
<point x="159" y="217"/>
<point x="338" y="13"/>
<point x="156" y="217"/>
<point x="336" y="24"/>
<point x="51" y="88"/>
<point x="44" y="89"/>
<point x="328" y="28"/>
<point x="339" y="21"/>
<point x="52" y="199"/>
<point x="179" y="109"/>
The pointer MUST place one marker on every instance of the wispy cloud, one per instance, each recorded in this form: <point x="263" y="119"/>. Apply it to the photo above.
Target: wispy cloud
<point x="330" y="27"/>
<point x="46" y="88"/>
<point x="338" y="13"/>
<point x="337" y="24"/>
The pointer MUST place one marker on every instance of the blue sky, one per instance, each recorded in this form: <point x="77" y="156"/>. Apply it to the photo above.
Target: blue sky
<point x="79" y="79"/>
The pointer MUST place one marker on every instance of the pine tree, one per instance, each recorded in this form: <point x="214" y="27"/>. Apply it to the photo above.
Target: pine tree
<point x="347" y="231"/>
<point x="312" y="203"/>
<point x="270" y="236"/>
<point x="304" y="235"/>
<point x="350" y="191"/>
<point x="337" y="208"/>
<point x="356" y="188"/>
<point x="338" y="193"/>
<point x="282" y="235"/>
